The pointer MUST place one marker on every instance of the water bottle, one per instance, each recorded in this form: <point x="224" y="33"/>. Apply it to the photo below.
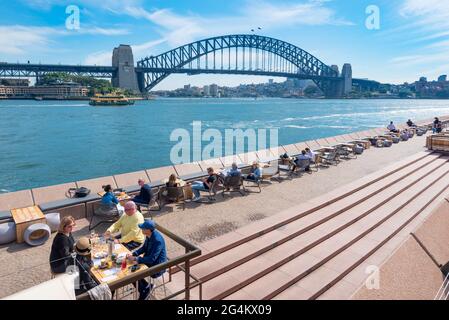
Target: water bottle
<point x="110" y="248"/>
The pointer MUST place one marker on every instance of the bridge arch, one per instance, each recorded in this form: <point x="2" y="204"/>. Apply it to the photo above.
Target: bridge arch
<point x="152" y="70"/>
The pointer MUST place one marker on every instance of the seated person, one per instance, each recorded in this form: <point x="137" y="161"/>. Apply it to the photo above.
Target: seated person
<point x="302" y="157"/>
<point x="437" y="126"/>
<point x="235" y="171"/>
<point x="285" y="159"/>
<point x="203" y="185"/>
<point x="311" y="154"/>
<point x="145" y="195"/>
<point x="392" y="127"/>
<point x="410" y="123"/>
<point x="173" y="181"/>
<point x="84" y="264"/>
<point x="62" y="246"/>
<point x="130" y="234"/>
<point x="255" y="172"/>
<point x="153" y="253"/>
<point x="109" y="199"/>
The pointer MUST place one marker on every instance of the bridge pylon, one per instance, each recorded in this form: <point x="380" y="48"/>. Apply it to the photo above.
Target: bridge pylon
<point x="125" y="76"/>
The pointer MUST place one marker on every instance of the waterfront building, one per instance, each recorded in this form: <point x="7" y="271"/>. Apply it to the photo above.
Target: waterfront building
<point x="14" y="82"/>
<point x="50" y="92"/>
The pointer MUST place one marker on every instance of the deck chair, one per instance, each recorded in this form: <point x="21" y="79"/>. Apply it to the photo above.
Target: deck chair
<point x="212" y="191"/>
<point x="106" y="213"/>
<point x="233" y="184"/>
<point x="286" y="167"/>
<point x="253" y="184"/>
<point x="155" y="200"/>
<point x="302" y="166"/>
<point x="345" y="152"/>
<point x="330" y="157"/>
<point x="173" y="194"/>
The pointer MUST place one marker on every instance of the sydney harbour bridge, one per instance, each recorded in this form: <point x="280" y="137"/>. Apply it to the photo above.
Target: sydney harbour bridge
<point x="232" y="54"/>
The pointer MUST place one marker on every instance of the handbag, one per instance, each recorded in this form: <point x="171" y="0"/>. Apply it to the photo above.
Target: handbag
<point x="78" y="192"/>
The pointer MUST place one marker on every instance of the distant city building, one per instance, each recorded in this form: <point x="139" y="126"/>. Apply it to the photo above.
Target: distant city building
<point x="346" y="73"/>
<point x="270" y="81"/>
<point x="206" y="91"/>
<point x="213" y="89"/>
<point x="442" y="78"/>
<point x="187" y="87"/>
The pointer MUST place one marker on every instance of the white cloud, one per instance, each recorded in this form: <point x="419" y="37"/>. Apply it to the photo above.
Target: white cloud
<point x="16" y="40"/>
<point x="180" y="29"/>
<point x="24" y="40"/>
<point x="428" y="22"/>
<point x="99" y="58"/>
<point x="104" y="58"/>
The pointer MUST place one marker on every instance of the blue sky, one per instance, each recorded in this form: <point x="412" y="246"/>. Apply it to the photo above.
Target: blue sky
<point x="413" y="39"/>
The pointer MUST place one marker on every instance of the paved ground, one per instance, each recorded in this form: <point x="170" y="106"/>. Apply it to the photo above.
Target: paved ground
<point x="22" y="266"/>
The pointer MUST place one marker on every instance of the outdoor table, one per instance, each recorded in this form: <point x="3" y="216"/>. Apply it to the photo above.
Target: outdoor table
<point x="24" y="217"/>
<point x="114" y="273"/>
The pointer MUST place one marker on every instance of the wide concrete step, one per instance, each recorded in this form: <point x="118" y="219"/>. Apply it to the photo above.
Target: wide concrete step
<point x="341" y="275"/>
<point x="246" y="258"/>
<point x="323" y="219"/>
<point x="317" y="248"/>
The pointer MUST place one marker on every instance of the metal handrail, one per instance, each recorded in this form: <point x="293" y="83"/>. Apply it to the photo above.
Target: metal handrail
<point x="443" y="291"/>
<point x="191" y="252"/>
<point x="197" y="282"/>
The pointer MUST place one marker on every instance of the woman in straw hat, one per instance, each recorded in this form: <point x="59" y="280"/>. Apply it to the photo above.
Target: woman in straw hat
<point x="84" y="264"/>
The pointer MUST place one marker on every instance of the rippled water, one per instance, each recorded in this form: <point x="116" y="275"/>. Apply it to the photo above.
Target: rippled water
<point x="47" y="142"/>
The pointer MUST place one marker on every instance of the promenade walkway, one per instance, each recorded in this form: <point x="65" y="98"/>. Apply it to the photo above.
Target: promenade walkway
<point x="212" y="226"/>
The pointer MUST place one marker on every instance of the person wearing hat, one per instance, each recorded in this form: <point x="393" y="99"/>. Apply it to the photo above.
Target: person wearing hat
<point x="84" y="263"/>
<point x="153" y="252"/>
<point x="131" y="235"/>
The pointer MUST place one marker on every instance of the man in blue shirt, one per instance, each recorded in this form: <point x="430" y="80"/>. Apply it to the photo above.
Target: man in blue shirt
<point x="235" y="171"/>
<point x="145" y="195"/>
<point x="302" y="159"/>
<point x="153" y="252"/>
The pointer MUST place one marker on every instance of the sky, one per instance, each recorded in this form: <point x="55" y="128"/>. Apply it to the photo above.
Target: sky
<point x="406" y="40"/>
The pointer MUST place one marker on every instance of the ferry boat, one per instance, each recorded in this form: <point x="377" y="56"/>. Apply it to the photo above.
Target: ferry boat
<point x="110" y="100"/>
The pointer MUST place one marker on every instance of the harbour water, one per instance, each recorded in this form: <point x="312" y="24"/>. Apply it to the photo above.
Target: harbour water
<point x="50" y="142"/>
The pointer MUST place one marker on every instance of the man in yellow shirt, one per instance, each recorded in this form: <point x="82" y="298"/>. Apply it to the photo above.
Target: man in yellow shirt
<point x="131" y="235"/>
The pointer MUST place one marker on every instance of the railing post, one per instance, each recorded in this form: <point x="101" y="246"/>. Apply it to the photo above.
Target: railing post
<point x="187" y="278"/>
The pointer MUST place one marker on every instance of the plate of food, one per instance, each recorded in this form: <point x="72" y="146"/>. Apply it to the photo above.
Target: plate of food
<point x="100" y="255"/>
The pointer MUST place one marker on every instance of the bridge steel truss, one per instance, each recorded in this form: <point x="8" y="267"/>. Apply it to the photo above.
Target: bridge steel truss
<point x="288" y="60"/>
<point x="37" y="70"/>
